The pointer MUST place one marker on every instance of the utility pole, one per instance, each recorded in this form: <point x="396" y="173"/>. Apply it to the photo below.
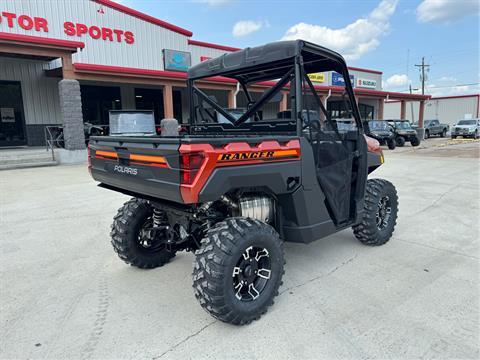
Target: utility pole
<point x="422" y="67"/>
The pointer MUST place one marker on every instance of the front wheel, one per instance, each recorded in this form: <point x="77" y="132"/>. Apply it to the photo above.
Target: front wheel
<point x="391" y="144"/>
<point x="400" y="141"/>
<point x="238" y="270"/>
<point x="415" y="141"/>
<point x="427" y="134"/>
<point x="379" y="214"/>
<point x="454" y="136"/>
<point x="134" y="239"/>
<point x="444" y="133"/>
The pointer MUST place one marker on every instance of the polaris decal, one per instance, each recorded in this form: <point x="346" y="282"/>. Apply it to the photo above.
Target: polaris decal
<point x="258" y="155"/>
<point x="125" y="170"/>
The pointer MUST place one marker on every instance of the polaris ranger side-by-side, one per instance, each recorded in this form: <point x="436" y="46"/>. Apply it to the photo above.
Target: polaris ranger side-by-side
<point x="381" y="131"/>
<point x="233" y="191"/>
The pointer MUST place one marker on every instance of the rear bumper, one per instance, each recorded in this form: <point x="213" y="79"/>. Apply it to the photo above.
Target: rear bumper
<point x="147" y="185"/>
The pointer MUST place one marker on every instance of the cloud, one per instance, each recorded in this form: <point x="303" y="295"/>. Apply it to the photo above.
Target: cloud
<point x="446" y="11"/>
<point x="447" y="79"/>
<point x="247" y="27"/>
<point x="397" y="81"/>
<point x="353" y="40"/>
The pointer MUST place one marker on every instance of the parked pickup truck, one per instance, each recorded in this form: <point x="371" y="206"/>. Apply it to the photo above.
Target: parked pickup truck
<point x="433" y="127"/>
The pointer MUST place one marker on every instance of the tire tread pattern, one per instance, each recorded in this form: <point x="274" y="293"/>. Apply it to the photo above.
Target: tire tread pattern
<point x="366" y="231"/>
<point x="209" y="267"/>
<point x="122" y="237"/>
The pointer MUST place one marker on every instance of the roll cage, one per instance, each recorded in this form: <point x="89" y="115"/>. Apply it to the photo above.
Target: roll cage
<point x="285" y="62"/>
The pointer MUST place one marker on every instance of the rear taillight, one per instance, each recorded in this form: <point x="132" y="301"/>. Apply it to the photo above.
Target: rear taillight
<point x="190" y="163"/>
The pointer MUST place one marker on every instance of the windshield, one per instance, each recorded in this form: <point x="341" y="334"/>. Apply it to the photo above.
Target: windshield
<point x="131" y="122"/>
<point x="345" y="125"/>
<point x="402" y="125"/>
<point x="378" y="125"/>
<point x="236" y="113"/>
<point x="467" y="122"/>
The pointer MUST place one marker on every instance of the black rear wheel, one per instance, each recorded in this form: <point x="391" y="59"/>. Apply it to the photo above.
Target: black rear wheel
<point x="135" y="240"/>
<point x="238" y="270"/>
<point x="400" y="141"/>
<point x="379" y="214"/>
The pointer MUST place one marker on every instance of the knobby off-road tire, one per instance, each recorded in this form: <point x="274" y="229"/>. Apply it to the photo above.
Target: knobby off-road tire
<point x="400" y="141"/>
<point x="380" y="213"/>
<point x="221" y="279"/>
<point x="415" y="141"/>
<point x="391" y="144"/>
<point x="126" y="236"/>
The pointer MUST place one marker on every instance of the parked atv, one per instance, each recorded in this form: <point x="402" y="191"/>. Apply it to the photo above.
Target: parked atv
<point x="381" y="131"/>
<point x="404" y="132"/>
<point x="233" y="192"/>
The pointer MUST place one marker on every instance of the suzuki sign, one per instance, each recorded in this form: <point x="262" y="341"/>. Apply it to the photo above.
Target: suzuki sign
<point x="367" y="83"/>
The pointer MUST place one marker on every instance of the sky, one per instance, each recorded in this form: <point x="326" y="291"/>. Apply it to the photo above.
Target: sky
<point x="387" y="35"/>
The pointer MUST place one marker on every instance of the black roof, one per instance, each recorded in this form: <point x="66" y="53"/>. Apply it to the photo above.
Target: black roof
<point x="268" y="62"/>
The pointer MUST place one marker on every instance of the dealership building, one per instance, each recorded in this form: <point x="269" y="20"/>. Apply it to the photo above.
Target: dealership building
<point x="68" y="62"/>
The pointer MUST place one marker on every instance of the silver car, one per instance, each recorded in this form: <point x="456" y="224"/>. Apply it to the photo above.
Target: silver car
<point x="466" y="128"/>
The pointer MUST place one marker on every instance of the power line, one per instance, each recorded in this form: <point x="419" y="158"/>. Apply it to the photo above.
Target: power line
<point x="444" y="87"/>
<point x="441" y="87"/>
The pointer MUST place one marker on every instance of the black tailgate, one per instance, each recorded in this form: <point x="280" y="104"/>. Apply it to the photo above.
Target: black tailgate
<point x="143" y="166"/>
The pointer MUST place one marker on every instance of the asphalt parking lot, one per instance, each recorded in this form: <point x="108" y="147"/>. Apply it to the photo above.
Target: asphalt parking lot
<point x="65" y="294"/>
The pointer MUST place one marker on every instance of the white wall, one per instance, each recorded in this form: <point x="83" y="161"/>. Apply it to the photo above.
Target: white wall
<point x="447" y="110"/>
<point x="40" y="94"/>
<point x="144" y="53"/>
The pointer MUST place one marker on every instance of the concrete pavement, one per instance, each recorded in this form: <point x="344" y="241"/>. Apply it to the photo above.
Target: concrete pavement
<point x="65" y="294"/>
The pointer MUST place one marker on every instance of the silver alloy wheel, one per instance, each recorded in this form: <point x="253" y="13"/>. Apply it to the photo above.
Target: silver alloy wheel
<point x="251" y="273"/>
<point x="383" y="212"/>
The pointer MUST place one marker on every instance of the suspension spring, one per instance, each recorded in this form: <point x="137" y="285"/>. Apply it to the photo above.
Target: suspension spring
<point x="157" y="217"/>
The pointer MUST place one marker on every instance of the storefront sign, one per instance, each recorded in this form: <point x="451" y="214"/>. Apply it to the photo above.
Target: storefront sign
<point x="7" y="115"/>
<point x="317" y="77"/>
<point x="367" y="83"/>
<point x="176" y="60"/>
<point x="338" y="80"/>
<point x="78" y="30"/>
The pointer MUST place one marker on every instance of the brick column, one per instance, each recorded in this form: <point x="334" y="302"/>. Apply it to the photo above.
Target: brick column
<point x="381" y="104"/>
<point x="71" y="109"/>
<point x="403" y="109"/>
<point x="168" y="101"/>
